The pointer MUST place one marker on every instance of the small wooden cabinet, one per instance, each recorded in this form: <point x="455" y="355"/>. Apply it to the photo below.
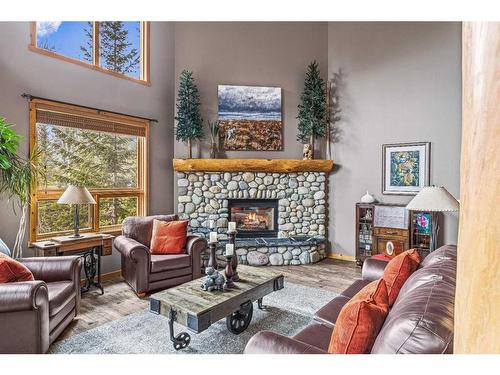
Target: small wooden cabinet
<point x="372" y="239"/>
<point x="391" y="241"/>
<point x="364" y="231"/>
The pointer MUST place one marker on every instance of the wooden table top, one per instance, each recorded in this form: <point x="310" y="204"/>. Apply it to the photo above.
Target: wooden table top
<point x="190" y="298"/>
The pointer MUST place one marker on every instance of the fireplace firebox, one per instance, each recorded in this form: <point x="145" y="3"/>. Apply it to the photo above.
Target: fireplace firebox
<point x="254" y="217"/>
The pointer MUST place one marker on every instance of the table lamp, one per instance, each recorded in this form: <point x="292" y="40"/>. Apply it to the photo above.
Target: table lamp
<point x="76" y="195"/>
<point x="433" y="199"/>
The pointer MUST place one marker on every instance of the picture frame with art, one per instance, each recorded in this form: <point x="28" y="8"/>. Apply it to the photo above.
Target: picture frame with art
<point x="250" y="118"/>
<point x="405" y="167"/>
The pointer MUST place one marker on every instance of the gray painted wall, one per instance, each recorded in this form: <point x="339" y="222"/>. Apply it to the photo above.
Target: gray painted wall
<point x="250" y="53"/>
<point x="25" y="71"/>
<point x="402" y="83"/>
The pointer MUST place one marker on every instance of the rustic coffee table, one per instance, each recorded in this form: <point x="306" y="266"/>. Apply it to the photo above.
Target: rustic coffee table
<point x="190" y="306"/>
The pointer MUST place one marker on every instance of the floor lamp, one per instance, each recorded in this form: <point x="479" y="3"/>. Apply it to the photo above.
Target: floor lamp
<point x="433" y="199"/>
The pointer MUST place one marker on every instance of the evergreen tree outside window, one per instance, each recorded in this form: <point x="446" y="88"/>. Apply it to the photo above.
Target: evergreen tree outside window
<point x="115" y="47"/>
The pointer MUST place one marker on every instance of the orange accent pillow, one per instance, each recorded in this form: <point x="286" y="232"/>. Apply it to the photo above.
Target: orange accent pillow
<point x="169" y="237"/>
<point x="360" y="320"/>
<point x="12" y="271"/>
<point x="398" y="270"/>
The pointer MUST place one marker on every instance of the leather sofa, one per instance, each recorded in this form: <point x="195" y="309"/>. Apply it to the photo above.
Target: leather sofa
<point x="419" y="322"/>
<point x="34" y="313"/>
<point x="146" y="272"/>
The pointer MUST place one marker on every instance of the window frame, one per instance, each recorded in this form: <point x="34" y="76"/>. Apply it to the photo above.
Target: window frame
<point x="38" y="194"/>
<point x="145" y="49"/>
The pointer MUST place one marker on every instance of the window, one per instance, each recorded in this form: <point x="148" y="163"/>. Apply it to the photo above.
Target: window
<point x="103" y="151"/>
<point x="115" y="47"/>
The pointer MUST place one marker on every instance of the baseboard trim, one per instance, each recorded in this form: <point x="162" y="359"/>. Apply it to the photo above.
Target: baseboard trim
<point x="340" y="256"/>
<point x="107" y="276"/>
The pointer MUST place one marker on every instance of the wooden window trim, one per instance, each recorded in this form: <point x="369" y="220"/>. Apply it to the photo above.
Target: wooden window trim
<point x="145" y="51"/>
<point x="141" y="191"/>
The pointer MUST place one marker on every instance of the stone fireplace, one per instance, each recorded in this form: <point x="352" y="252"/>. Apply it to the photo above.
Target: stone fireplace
<point x="281" y="216"/>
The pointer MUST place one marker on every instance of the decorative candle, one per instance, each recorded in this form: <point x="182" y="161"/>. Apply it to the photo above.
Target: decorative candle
<point x="213" y="237"/>
<point x="231" y="227"/>
<point x="229" y="249"/>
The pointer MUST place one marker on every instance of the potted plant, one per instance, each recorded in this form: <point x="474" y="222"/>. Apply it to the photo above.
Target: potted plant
<point x="213" y="126"/>
<point x="16" y="176"/>
<point x="312" y="114"/>
<point x="189" y="122"/>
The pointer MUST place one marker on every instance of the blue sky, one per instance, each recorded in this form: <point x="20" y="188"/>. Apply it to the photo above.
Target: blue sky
<point x="66" y="38"/>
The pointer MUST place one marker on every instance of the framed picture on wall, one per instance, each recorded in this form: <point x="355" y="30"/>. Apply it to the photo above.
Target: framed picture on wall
<point x="250" y="118"/>
<point x="405" y="167"/>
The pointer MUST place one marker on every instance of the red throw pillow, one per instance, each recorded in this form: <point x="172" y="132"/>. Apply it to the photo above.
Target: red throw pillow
<point x="169" y="237"/>
<point x="12" y="271"/>
<point x="360" y="320"/>
<point x="398" y="270"/>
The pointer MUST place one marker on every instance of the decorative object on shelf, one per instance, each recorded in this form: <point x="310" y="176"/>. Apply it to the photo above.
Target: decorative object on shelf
<point x="333" y="97"/>
<point x="16" y="175"/>
<point x="76" y="195"/>
<point x="250" y="118"/>
<point x="312" y="110"/>
<point x="367" y="198"/>
<point x="307" y="153"/>
<point x="214" y="138"/>
<point x="214" y="280"/>
<point x="406" y="167"/>
<point x="189" y="125"/>
<point x="212" y="260"/>
<point x="433" y="199"/>
<point x="234" y="261"/>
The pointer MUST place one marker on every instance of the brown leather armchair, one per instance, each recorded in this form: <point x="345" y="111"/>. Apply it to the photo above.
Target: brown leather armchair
<point x="34" y="313"/>
<point x="146" y="272"/>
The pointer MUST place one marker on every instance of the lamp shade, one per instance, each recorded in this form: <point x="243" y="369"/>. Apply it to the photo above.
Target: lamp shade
<point x="434" y="199"/>
<point x="76" y="195"/>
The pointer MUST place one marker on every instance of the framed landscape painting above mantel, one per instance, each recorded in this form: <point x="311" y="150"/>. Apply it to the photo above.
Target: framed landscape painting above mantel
<point x="405" y="167"/>
<point x="250" y="118"/>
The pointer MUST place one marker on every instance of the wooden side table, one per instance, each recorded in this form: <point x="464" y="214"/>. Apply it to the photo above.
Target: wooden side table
<point x="91" y="246"/>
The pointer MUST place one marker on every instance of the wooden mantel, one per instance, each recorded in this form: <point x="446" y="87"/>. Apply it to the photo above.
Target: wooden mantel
<point x="252" y="165"/>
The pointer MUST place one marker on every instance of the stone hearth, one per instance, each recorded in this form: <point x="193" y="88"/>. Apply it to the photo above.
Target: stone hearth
<point x="302" y="212"/>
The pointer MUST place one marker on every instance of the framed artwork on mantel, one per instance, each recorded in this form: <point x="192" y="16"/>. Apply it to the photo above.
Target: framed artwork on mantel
<point x="250" y="118"/>
<point x="405" y="167"/>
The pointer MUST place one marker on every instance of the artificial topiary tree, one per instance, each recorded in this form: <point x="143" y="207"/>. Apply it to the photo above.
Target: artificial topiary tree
<point x="312" y="114"/>
<point x="189" y="122"/>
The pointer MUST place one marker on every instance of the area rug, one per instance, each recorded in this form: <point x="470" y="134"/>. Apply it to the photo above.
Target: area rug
<point x="286" y="312"/>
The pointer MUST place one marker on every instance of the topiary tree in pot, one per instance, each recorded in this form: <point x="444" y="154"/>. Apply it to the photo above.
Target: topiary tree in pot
<point x="16" y="175"/>
<point x="312" y="108"/>
<point x="189" y="122"/>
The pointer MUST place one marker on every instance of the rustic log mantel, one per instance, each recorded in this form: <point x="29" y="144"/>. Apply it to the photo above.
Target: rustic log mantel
<point x="252" y="165"/>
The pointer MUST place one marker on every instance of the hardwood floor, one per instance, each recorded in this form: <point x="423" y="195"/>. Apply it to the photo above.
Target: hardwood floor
<point x="119" y="300"/>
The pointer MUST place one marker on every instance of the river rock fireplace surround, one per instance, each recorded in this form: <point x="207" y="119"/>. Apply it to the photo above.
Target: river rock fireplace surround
<point x="280" y="206"/>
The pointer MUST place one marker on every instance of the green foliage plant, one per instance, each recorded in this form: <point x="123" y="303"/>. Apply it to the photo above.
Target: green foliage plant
<point x="312" y="109"/>
<point x="16" y="176"/>
<point x="189" y="125"/>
